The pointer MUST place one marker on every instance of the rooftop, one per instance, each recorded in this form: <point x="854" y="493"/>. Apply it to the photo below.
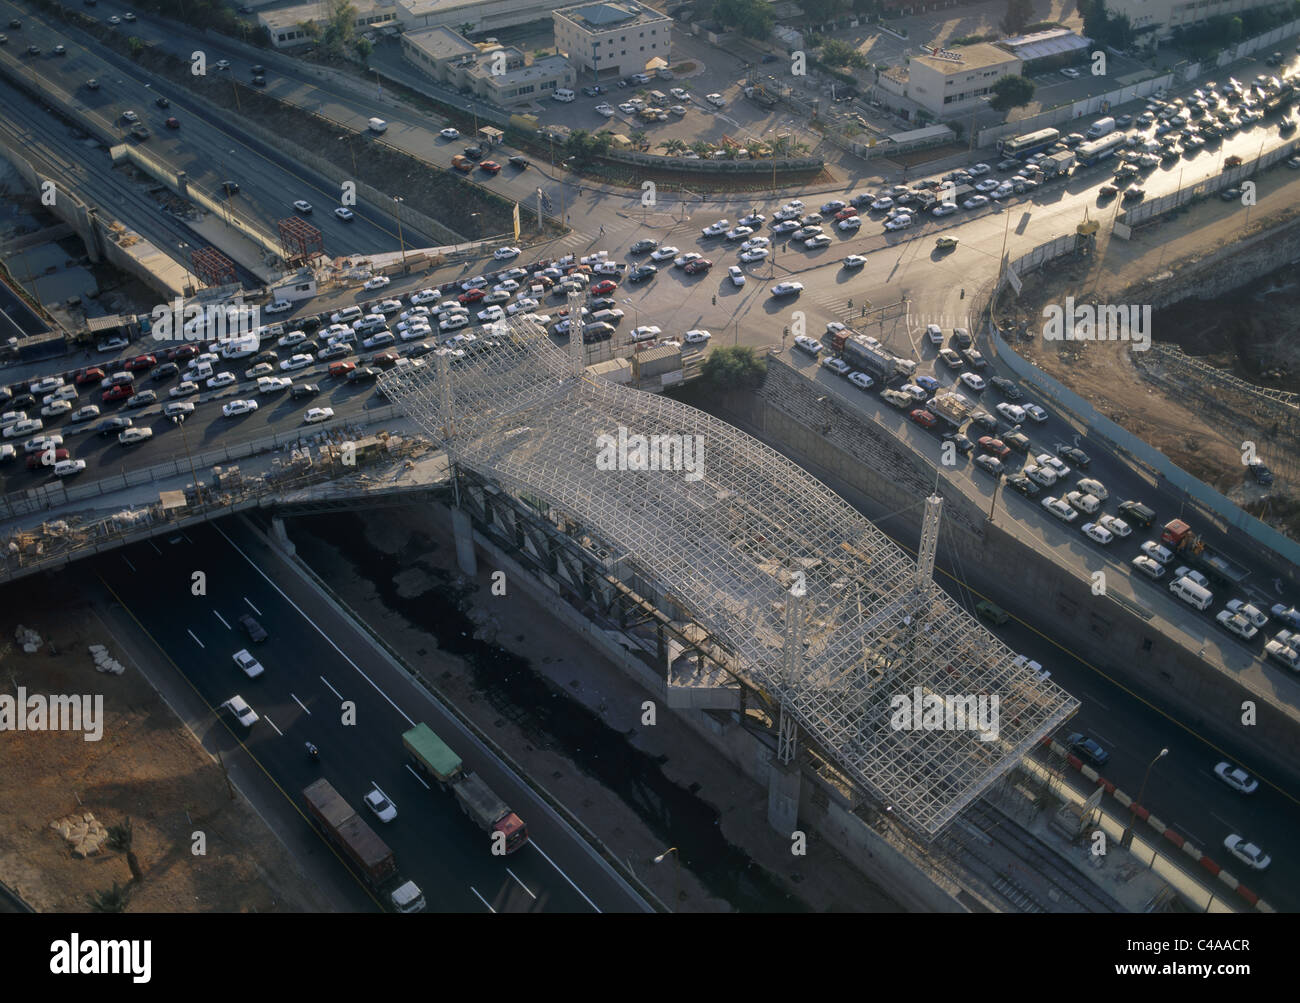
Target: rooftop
<point x="441" y="43"/>
<point x="1040" y="44"/>
<point x="973" y="57"/>
<point x="603" y="16"/>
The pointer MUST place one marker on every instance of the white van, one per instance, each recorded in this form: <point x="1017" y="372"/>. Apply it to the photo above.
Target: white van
<point x="346" y="315"/>
<point x="563" y="94"/>
<point x="1191" y="593"/>
<point x="198" y="371"/>
<point x="377" y="125"/>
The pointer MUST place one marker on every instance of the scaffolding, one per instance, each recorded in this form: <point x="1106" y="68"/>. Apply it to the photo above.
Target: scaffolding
<point x="212" y="267"/>
<point x="300" y="242"/>
<point x="761" y="553"/>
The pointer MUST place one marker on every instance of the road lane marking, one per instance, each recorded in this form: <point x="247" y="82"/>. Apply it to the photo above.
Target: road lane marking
<point x="299" y="703"/>
<point x="255" y="609"/>
<point x="533" y="843"/>
<point x="196" y="640"/>
<point x="128" y="563"/>
<point x="155" y="547"/>
<point x="219" y="617"/>
<point x="272" y="724"/>
<point x="520" y="883"/>
<point x="482" y="899"/>
<point x="417" y="776"/>
<point x="331" y="688"/>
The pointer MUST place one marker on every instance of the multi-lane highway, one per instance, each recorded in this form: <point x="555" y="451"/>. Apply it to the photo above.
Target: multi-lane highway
<point x="326" y="683"/>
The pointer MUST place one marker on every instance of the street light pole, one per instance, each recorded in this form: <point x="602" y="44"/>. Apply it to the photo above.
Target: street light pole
<point x="183" y="247"/>
<point x="677" y="872"/>
<point x="1132" y="816"/>
<point x="397" y="213"/>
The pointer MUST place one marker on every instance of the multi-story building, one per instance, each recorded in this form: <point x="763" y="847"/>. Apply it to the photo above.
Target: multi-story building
<point x="1162" y="16"/>
<point x="612" y="39"/>
<point x="497" y="73"/>
<point x="287" y="25"/>
<point x="471" y="16"/>
<point x="949" y="84"/>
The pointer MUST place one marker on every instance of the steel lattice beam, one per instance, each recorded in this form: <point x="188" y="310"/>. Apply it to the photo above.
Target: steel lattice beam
<point x="728" y="546"/>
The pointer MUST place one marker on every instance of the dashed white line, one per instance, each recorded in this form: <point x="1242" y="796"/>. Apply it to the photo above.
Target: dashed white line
<point x="272" y="724"/>
<point x="331" y="688"/>
<point x="255" y="609"/>
<point x="155" y="547"/>
<point x="533" y="844"/>
<point x="219" y="617"/>
<point x="128" y="563"/>
<point x="299" y="703"/>
<point x="196" y="640"/>
<point x="417" y="776"/>
<point x="520" y="883"/>
<point x="481" y="899"/>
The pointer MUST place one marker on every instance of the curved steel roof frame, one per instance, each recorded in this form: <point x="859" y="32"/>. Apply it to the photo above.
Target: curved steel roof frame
<point x="727" y="540"/>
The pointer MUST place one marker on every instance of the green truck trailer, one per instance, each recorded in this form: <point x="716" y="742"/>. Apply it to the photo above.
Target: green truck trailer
<point x="434" y="760"/>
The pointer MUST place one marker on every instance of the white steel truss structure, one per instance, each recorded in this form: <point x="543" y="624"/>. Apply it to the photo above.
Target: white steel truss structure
<point x="727" y="538"/>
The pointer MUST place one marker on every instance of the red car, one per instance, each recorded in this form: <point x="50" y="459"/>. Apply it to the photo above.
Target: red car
<point x="141" y="362"/>
<point x="385" y="360"/>
<point x="184" y="353"/>
<point x="171" y="123"/>
<point x="93" y="375"/>
<point x="117" y="393"/>
<point x="491" y="166"/>
<point x="473" y="296"/>
<point x="844" y="214"/>
<point x="994" y="446"/>
<point x="697" y="266"/>
<point x="923" y="418"/>
<point x="43" y="459"/>
<point x="604" y="286"/>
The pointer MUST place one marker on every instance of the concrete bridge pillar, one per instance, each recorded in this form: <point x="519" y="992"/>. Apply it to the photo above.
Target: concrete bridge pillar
<point x="463" y="530"/>
<point x="182" y="184"/>
<point x="280" y="537"/>
<point x="783" y="783"/>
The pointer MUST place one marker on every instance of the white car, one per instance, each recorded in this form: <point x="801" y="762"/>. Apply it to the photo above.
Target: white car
<point x="807" y="344"/>
<point x="737" y="276"/>
<point x="505" y="253"/>
<point x="317" y="414"/>
<point x="975" y="201"/>
<point x="425" y="296"/>
<point x="56" y="408"/>
<point x="525" y="305"/>
<point x="221" y="380"/>
<point x="273" y="384"/>
<point x="250" y="666"/>
<point x="1150" y="568"/>
<point x="974" y="381"/>
<point x="506" y="286"/>
<point x="682" y="260"/>
<point x="295" y="362"/>
<point x="1013" y="413"/>
<point x="716" y="229"/>
<point x="244" y="714"/>
<point x="855" y="261"/>
<point x="1070" y="72"/>
<point x="130" y="116"/>
<point x="291" y="339"/>
<point x="697" y="336"/>
<point x="664" y="253"/>
<point x="261" y="369"/>
<point x="487" y="316"/>
<point x="1153" y="550"/>
<point x="344" y="213"/>
<point x="1251" y="612"/>
<point x="1116" y="525"/>
<point x="1236" y="778"/>
<point x="1095" y="488"/>
<point x="379" y="339"/>
<point x="1248" y="853"/>
<point x="84" y="414"/>
<point x="979" y="170"/>
<point x="235" y="408"/>
<point x="1037" y="413"/>
<point x="754" y="243"/>
<point x="183" y="389"/>
<point x="944" y="209"/>
<point x="378" y="282"/>
<point x="46" y="385"/>
<point x="899" y="222"/>
<point x="178" y="409"/>
<point x="917" y="393"/>
<point x="882" y="203"/>
<point x="754" y="254"/>
<point x="646" y="332"/>
<point x="787" y="289"/>
<point x="1060" y="509"/>
<point x="627" y="108"/>
<point x="23" y="426"/>
<point x="739" y="232"/>
<point x="377" y="801"/>
<point x="817" y="240"/>
<point x="861" y="380"/>
<point x="131" y="436"/>
<point x="450" y="133"/>
<point x="279" y="306"/>
<point x="303" y="206"/>
<point x="1054" y="464"/>
<point x="717" y="100"/>
<point x="42" y="443"/>
<point x="477" y="282"/>
<point x="837" y="365"/>
<point x="65" y="468"/>
<point x="1234" y="623"/>
<point x="1095" y="532"/>
<point x="604" y="109"/>
<point x="987" y="185"/>
<point x="453" y="321"/>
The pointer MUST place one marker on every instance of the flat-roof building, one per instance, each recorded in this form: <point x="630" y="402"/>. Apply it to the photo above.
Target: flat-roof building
<point x="950" y="83"/>
<point x="497" y="73"/>
<point x="286" y="25"/>
<point x="612" y="39"/>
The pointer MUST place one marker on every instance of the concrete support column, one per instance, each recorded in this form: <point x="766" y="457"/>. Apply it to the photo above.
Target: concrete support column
<point x="183" y="184"/>
<point x="280" y="538"/>
<point x="783" y="783"/>
<point x="463" y="529"/>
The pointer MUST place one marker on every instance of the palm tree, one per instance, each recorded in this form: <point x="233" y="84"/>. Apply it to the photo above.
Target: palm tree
<point x="701" y="147"/>
<point x="672" y="147"/>
<point x="638" y="138"/>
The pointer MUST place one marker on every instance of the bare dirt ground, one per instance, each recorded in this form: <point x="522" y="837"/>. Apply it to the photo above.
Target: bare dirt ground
<point x="147" y="767"/>
<point x="1249" y="333"/>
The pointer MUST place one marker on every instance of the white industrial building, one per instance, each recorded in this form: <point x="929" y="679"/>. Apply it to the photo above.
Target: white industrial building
<point x="612" y="39"/>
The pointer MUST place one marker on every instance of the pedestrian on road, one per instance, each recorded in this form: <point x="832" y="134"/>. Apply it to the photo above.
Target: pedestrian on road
<point x="602" y="231"/>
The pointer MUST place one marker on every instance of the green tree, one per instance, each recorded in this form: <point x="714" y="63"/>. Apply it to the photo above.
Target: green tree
<point x="823" y="11"/>
<point x="1094" y="18"/>
<point x="465" y="27"/>
<point x="638" y="138"/>
<point x="584" y="147"/>
<point x="734" y="368"/>
<point x="701" y="148"/>
<point x="364" y="47"/>
<point x="752" y="18"/>
<point x="136" y="45"/>
<point x="1011" y="92"/>
<point x="339" y="26"/>
<point x="1236" y="29"/>
<point x="1019" y="14"/>
<point x="837" y="53"/>
<point x="672" y="147"/>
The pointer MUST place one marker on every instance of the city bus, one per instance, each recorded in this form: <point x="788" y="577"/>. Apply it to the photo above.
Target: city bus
<point x="1028" y="144"/>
